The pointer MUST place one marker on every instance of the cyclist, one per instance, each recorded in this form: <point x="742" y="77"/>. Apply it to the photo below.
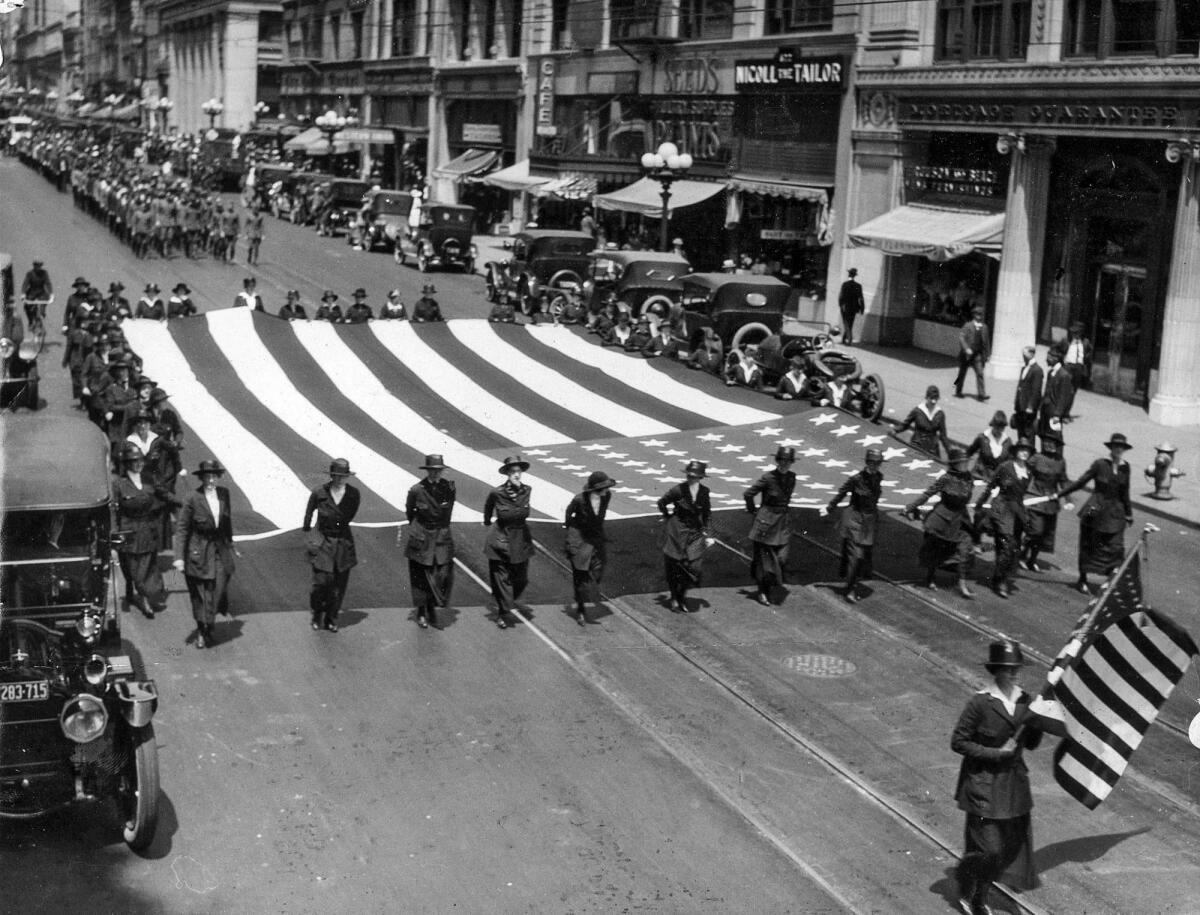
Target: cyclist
<point x="38" y="292"/>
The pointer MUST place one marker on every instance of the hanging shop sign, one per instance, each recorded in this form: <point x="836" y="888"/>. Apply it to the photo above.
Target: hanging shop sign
<point x="544" y="106"/>
<point x="482" y="133"/>
<point x="789" y="72"/>
<point x="783" y="235"/>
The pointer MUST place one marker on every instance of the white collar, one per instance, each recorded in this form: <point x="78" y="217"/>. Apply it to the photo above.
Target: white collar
<point x="1009" y="702"/>
<point x="925" y="409"/>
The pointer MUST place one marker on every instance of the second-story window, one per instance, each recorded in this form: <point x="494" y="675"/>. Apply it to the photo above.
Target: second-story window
<point x="798" y="15"/>
<point x="1144" y="28"/>
<point x="404" y="28"/>
<point x="982" y="30"/>
<point x="335" y="36"/>
<point x="560" y="37"/>
<point x="356" y="35"/>
<point x="634" y="18"/>
<point x="700" y="19"/>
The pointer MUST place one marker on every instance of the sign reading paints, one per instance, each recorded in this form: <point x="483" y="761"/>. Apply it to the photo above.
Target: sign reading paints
<point x="789" y="72"/>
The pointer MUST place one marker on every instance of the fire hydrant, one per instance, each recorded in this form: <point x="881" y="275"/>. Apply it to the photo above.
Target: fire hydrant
<point x="1163" y="471"/>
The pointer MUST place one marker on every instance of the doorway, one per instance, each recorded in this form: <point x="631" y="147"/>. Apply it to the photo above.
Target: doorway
<point x="1117" y="315"/>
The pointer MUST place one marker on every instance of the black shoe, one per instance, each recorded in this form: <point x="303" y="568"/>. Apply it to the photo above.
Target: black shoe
<point x="959" y="394"/>
<point x="984" y="398"/>
<point x="501" y="622"/>
<point x="316" y="625"/>
<point x="433" y="620"/>
<point x="201" y="639"/>
<point x="331" y="625"/>
<point x="763" y="599"/>
<point x="421" y="621"/>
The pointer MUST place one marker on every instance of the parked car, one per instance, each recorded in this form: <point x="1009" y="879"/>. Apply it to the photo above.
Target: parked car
<point x="387" y="219"/>
<point x="270" y="177"/>
<point x="741" y="309"/>
<point x="75" y="721"/>
<point x="301" y="184"/>
<point x="345" y="200"/>
<point x="442" y="238"/>
<point x="645" y="282"/>
<point x="542" y="260"/>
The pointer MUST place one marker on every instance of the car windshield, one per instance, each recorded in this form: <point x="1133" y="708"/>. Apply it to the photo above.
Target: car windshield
<point x="46" y="535"/>
<point x="571" y="247"/>
<point x="25" y="643"/>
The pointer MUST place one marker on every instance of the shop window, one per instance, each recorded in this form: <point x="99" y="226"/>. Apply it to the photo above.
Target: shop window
<point x="947" y="292"/>
<point x="560" y="37"/>
<point x="1187" y="27"/>
<point x="1143" y="28"/>
<point x="703" y="19"/>
<point x="634" y="19"/>
<point x="404" y="28"/>
<point x="982" y="30"/>
<point x="798" y="15"/>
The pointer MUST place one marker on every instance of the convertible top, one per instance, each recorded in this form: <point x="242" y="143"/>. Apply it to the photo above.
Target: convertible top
<point x="52" y="463"/>
<point x="751" y="282"/>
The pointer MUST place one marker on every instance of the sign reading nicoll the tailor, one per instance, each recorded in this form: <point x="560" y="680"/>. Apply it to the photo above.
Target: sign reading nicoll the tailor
<point x="789" y="72"/>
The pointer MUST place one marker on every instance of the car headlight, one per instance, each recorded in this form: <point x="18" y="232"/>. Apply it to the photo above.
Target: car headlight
<point x="83" y="718"/>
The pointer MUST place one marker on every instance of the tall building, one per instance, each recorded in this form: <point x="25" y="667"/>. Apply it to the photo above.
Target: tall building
<point x="42" y="52"/>
<point x="113" y="48"/>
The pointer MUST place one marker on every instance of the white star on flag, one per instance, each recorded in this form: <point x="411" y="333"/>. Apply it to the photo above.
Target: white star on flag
<point x="673" y="453"/>
<point x="644" y="498"/>
<point x="791" y="442"/>
<point x="666" y="479"/>
<point x="651" y="471"/>
<point x="819" y="486"/>
<point x="824" y="419"/>
<point x="737" y="479"/>
<point x="580" y="473"/>
<point x="594" y="447"/>
<point x="709" y="437"/>
<point x="916" y="464"/>
<point x="814" y="452"/>
<point x="909" y="492"/>
<point x="613" y="455"/>
<point x="536" y="452"/>
<point x="653" y="443"/>
<point x="633" y="463"/>
<point x="626" y="489"/>
<point x="717" y="470"/>
<point x="834" y="463"/>
<point x="767" y="430"/>
<point x="868" y="440"/>
<point x="801" y="479"/>
<point x="728" y="448"/>
<point x="891" y="454"/>
<point x="750" y="458"/>
<point x="887" y="483"/>
<point x="552" y="460"/>
<point x="843" y="430"/>
<point x="571" y="467"/>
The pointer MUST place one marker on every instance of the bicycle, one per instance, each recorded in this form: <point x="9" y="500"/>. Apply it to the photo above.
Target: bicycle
<point x="35" y="313"/>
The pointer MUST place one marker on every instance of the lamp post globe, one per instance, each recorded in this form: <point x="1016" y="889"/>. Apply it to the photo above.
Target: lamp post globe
<point x="666" y="165"/>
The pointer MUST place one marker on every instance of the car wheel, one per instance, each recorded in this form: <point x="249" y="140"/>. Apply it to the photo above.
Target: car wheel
<point x="658" y="307"/>
<point x="138" y="789"/>
<point x="557" y="305"/>
<point x="492" y="293"/>
<point x="755" y="332"/>
<point x="871" y="395"/>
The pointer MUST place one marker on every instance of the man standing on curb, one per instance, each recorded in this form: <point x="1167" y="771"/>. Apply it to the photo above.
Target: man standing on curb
<point x="851" y="304"/>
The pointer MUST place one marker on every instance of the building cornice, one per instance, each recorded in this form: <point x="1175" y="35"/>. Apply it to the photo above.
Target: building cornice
<point x="1148" y="73"/>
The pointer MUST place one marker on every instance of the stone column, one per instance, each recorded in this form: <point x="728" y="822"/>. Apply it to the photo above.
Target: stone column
<point x="1177" y="400"/>
<point x="241" y="69"/>
<point x="1018" y="288"/>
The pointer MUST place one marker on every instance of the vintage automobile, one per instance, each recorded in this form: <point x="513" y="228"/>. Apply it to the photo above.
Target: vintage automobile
<point x="644" y="282"/>
<point x="442" y="238"/>
<point x="345" y="200"/>
<point x="75" y="721"/>
<point x="542" y="260"/>
<point x="387" y="219"/>
<point x="267" y="177"/>
<point x="299" y="184"/>
<point x="816" y="345"/>
<point x="741" y="309"/>
<point x="18" y="350"/>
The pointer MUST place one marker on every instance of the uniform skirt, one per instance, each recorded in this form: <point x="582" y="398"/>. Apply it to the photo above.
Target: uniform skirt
<point x="1100" y="552"/>
<point x="1040" y="531"/>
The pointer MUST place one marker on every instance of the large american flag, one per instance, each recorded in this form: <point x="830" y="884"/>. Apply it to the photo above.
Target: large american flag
<point x="1109" y="682"/>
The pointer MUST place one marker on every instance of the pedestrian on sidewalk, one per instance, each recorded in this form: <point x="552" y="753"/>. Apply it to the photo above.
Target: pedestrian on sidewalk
<point x="1047" y="478"/>
<point x="1104" y="516"/>
<point x="204" y="550"/>
<point x="254" y="235"/>
<point x="1077" y="359"/>
<point x="1007" y="519"/>
<point x="139" y="506"/>
<point x="851" y="304"/>
<point x="974" y="350"/>
<point x="586" y="545"/>
<point x="928" y="422"/>
<point x="857" y="524"/>
<point x="949" y="533"/>
<point x="430" y="546"/>
<point x="331" y="552"/>
<point x="993" y="782"/>
<point x="990" y="448"/>
<point x="1056" y="397"/>
<point x="1028" y="395"/>
<point x="771" y="532"/>
<point x="684" y="537"/>
<point x="509" y="545"/>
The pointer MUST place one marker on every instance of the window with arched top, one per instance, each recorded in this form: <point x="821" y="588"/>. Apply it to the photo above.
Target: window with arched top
<point x="982" y="30"/>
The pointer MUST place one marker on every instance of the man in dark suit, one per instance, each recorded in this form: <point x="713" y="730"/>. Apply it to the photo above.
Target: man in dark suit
<point x="1056" y="398"/>
<point x="851" y="304"/>
<point x="1029" y="395"/>
<point x="204" y="550"/>
<point x="974" y="350"/>
<point x="331" y="553"/>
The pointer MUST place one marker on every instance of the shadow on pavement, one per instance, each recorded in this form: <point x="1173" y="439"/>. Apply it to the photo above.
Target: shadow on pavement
<point x="1084" y="849"/>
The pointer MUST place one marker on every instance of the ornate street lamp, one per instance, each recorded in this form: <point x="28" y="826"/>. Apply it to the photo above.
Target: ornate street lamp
<point x="260" y="110"/>
<point x="331" y="124"/>
<point x="52" y="99"/>
<point x="213" y="107"/>
<point x="666" y="166"/>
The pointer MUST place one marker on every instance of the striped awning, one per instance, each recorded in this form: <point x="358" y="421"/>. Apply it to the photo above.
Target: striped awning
<point x="568" y="187"/>
<point x="515" y="178"/>
<point x="765" y="187"/>
<point x="939" y="233"/>
<point x="472" y="162"/>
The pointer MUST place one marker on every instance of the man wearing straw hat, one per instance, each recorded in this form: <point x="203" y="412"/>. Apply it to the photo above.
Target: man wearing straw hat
<point x="509" y="544"/>
<point x="684" y="539"/>
<point x="771" y="533"/>
<point x="430" y="546"/>
<point x="331" y="552"/>
<point x="858" y="522"/>
<point x="204" y="550"/>
<point x="586" y="545"/>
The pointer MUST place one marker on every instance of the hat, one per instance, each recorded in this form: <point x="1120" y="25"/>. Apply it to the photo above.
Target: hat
<point x="598" y="480"/>
<point x="359" y="292"/>
<point x="784" y="453"/>
<point x="1053" y="441"/>
<point x="728" y="264"/>
<point x="933" y="391"/>
<point x="131" y="452"/>
<point x="433" y="462"/>
<point x="80" y="281"/>
<point x="1023" y="443"/>
<point x="213" y="466"/>
<point x="116" y="364"/>
<point x="157" y="396"/>
<point x="956" y="456"/>
<point x="1118" y="440"/>
<point x="696" y="469"/>
<point x="151" y="287"/>
<point x="249" y="281"/>
<point x="184" y="287"/>
<point x="143" y="381"/>
<point x="143" y="416"/>
<point x="428" y="289"/>
<point x="293" y="294"/>
<point x="999" y="419"/>
<point x="1004" y="653"/>
<point x="116" y="287"/>
<point x="853" y="271"/>
<point x="340" y="467"/>
<point x="38" y="263"/>
<point x="329" y="296"/>
<point x="511" y="462"/>
<point x="874" y="456"/>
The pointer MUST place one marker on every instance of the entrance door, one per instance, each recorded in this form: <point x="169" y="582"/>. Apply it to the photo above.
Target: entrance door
<point x="1118" y="314"/>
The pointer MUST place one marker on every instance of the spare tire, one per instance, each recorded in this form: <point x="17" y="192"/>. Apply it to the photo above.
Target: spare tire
<point x="754" y="332"/>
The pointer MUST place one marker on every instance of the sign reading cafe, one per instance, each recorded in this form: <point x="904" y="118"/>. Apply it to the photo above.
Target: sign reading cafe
<point x="790" y="72"/>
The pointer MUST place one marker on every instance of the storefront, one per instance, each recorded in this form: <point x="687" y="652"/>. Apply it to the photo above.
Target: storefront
<point x="399" y="95"/>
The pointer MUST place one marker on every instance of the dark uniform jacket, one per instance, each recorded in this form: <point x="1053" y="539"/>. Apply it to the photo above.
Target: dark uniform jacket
<point x="1047" y="475"/>
<point x="771" y="524"/>
<point x="137" y="514"/>
<point x="1029" y="389"/>
<point x="988" y="785"/>
<point x="426" y="309"/>
<point x="791" y="387"/>
<point x="859" y="520"/>
<point x="976" y="339"/>
<point x="585" y="528"/>
<point x="291" y="312"/>
<point x="326" y="312"/>
<point x="987" y="460"/>
<point x="850" y="298"/>
<point x="152" y="309"/>
<point x="200" y="538"/>
<point x="1056" y="398"/>
<point x="509" y="539"/>
<point x="684" y="534"/>
<point x="1108" y="510"/>
<point x="928" y="431"/>
<point x="1007" y="514"/>
<point x="335" y="552"/>
<point x="949" y="519"/>
<point x="359" y="314"/>
<point x="428" y="509"/>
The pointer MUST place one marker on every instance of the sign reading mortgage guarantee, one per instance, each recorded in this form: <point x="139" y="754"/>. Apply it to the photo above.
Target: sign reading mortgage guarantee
<point x="789" y="72"/>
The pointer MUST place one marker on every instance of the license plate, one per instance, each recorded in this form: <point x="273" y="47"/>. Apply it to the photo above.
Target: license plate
<point x="33" y="691"/>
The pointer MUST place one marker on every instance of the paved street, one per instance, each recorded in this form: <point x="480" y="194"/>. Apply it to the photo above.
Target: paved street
<point x="740" y="759"/>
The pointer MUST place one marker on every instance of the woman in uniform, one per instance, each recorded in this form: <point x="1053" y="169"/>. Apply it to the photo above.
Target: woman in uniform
<point x="684" y="538"/>
<point x="430" y="547"/>
<point x="1047" y="478"/>
<point x="990" y="448"/>
<point x="948" y="531"/>
<point x="1104" y="516"/>
<point x="1007" y="519"/>
<point x="928" y="422"/>
<point x="858" y="522"/>
<point x="771" y="533"/>
<point x="139" y="506"/>
<point x="204" y="550"/>
<point x="586" y="547"/>
<point x="331" y="553"/>
<point x="509" y="544"/>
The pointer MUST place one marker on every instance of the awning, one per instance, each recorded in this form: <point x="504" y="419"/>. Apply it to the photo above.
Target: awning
<point x="313" y="143"/>
<point x="85" y="108"/>
<point x="515" y="178"/>
<point x="377" y="135"/>
<point x="766" y="188"/>
<point x="127" y="113"/>
<point x="102" y="113"/>
<point x="301" y="140"/>
<point x="938" y="233"/>
<point x="645" y="196"/>
<point x="472" y="162"/>
<point x="568" y="187"/>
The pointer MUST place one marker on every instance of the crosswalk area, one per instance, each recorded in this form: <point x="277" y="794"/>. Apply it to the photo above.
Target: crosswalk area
<point x="275" y="401"/>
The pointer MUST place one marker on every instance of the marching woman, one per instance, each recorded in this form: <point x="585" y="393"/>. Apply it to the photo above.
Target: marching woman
<point x="430" y="547"/>
<point x="771" y="533"/>
<point x="858" y="522"/>
<point x="509" y="544"/>
<point x="928" y="422"/>
<point x="948" y="529"/>
<point x="139" y="506"/>
<point x="684" y="534"/>
<point x="1106" y="514"/>
<point x="204" y="550"/>
<point x="331" y="553"/>
<point x="1047" y="478"/>
<point x="1007" y="519"/>
<point x="586" y="548"/>
<point x="991" y="448"/>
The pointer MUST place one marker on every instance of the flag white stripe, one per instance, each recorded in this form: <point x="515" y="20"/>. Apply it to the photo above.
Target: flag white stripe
<point x="1084" y="696"/>
<point x="273" y="490"/>
<point x="1116" y="682"/>
<point x="1150" y="673"/>
<point x="1075" y="769"/>
<point x="343" y="367"/>
<point x="480" y="337"/>
<point x="1099" y="747"/>
<point x="447" y="380"/>
<point x="257" y="369"/>
<point x="642" y="377"/>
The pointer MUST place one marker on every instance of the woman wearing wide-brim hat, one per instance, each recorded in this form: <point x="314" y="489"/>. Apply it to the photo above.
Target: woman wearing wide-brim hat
<point x="1007" y="519"/>
<point x="1105" y="515"/>
<point x="204" y="550"/>
<point x="331" y="553"/>
<point x="993" y="782"/>
<point x="430" y="546"/>
<point x="771" y="532"/>
<point x="686" y="509"/>
<point x="948" y="530"/>
<point x="139" y="506"/>
<point x="858" y="523"/>
<point x="1047" y="478"/>
<point x="586" y="545"/>
<point x="509" y="544"/>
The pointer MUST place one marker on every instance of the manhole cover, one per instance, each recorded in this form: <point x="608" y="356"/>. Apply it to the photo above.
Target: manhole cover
<point x="819" y="665"/>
